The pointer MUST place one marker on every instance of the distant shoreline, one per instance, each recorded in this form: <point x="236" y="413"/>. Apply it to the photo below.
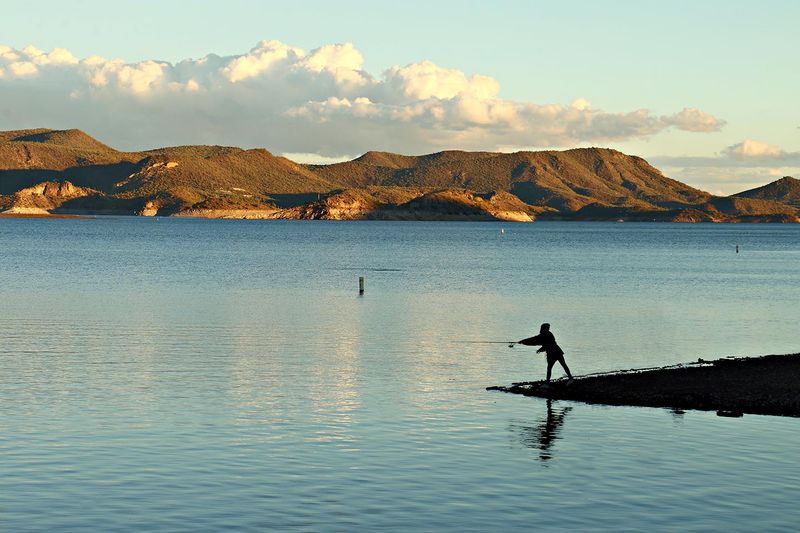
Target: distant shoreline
<point x="262" y="215"/>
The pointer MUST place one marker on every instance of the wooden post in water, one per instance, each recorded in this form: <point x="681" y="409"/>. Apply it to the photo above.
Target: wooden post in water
<point x="361" y="285"/>
<point x="737" y="248"/>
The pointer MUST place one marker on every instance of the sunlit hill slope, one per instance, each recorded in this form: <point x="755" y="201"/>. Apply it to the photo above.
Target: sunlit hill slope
<point x="68" y="172"/>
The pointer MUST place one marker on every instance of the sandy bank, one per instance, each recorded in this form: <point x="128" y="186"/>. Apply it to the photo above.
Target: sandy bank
<point x="27" y="211"/>
<point x="768" y="385"/>
<point x="253" y="214"/>
<point x="15" y="214"/>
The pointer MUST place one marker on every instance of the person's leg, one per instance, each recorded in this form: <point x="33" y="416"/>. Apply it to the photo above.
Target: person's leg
<point x="564" y="364"/>
<point x="550" y="363"/>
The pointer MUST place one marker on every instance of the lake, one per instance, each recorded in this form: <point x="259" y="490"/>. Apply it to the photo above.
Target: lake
<point x="163" y="374"/>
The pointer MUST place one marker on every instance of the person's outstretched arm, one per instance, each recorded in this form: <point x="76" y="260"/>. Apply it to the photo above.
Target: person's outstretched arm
<point x="531" y="341"/>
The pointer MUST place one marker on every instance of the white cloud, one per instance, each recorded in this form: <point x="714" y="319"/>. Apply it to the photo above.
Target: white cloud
<point x="734" y="169"/>
<point x="725" y="180"/>
<point x="291" y="100"/>
<point x="692" y="119"/>
<point x="334" y="57"/>
<point x="21" y="69"/>
<point x="745" y="154"/>
<point x="58" y="56"/>
<point x="749" y="148"/>
<point x="424" y="80"/>
<point x="139" y="79"/>
<point x="316" y="159"/>
<point x="581" y="104"/>
<point x="8" y="54"/>
<point x="259" y="60"/>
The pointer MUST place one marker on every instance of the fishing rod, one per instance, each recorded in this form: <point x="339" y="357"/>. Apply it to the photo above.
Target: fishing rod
<point x="510" y="343"/>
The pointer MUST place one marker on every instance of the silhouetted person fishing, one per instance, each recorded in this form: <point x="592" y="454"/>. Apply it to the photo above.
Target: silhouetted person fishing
<point x="547" y="341"/>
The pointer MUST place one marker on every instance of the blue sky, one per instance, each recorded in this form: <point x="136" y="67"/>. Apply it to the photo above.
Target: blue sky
<point x="733" y="62"/>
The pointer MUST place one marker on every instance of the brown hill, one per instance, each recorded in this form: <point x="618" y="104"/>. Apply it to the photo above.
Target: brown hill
<point x="73" y="139"/>
<point x="185" y="176"/>
<point x="172" y="179"/>
<point x="566" y="180"/>
<point x="583" y="183"/>
<point x="749" y="207"/>
<point x="46" y="197"/>
<point x="457" y="204"/>
<point x="785" y="190"/>
<point x="410" y="203"/>
<point x="28" y="157"/>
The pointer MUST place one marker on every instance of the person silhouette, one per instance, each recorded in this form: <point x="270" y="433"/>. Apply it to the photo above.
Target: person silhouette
<point x="547" y="341"/>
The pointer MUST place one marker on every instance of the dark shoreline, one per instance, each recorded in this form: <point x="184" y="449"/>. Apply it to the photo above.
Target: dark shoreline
<point x="767" y="385"/>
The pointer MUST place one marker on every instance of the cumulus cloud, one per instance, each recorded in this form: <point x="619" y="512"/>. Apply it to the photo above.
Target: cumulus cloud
<point x="692" y="119"/>
<point x="425" y="80"/>
<point x="751" y="149"/>
<point x="259" y="60"/>
<point x="724" y="181"/>
<point x="316" y="159"/>
<point x="733" y="169"/>
<point x="20" y="69"/>
<point x="748" y="153"/>
<point x="292" y="100"/>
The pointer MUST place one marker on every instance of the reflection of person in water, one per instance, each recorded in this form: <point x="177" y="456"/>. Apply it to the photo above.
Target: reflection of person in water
<point x="547" y="341"/>
<point x="544" y="435"/>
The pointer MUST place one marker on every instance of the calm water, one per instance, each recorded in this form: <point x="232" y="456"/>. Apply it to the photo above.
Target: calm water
<point x="185" y="375"/>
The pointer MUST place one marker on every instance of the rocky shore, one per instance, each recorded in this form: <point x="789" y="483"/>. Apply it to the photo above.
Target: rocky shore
<point x="768" y="385"/>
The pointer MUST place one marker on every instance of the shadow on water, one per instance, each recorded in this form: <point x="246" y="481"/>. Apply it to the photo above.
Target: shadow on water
<point x="543" y="435"/>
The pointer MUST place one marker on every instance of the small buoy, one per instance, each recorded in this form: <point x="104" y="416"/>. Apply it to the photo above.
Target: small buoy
<point x="502" y="231"/>
<point x="737" y="248"/>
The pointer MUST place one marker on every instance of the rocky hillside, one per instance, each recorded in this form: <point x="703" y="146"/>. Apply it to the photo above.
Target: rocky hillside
<point x="410" y="203"/>
<point x="67" y="171"/>
<point x="785" y="190"/>
<point x="46" y="197"/>
<point x="173" y="179"/>
<point x="566" y="181"/>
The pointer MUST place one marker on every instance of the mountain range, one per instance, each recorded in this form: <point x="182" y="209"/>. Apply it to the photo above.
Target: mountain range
<point x="44" y="171"/>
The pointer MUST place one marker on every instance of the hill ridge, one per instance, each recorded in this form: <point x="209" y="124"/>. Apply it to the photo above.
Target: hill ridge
<point x="785" y="189"/>
<point x="579" y="183"/>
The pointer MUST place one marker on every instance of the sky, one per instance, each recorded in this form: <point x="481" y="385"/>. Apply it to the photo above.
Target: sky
<point x="706" y="91"/>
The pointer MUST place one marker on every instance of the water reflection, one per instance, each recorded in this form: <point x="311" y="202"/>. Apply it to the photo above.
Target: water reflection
<point x="543" y="435"/>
